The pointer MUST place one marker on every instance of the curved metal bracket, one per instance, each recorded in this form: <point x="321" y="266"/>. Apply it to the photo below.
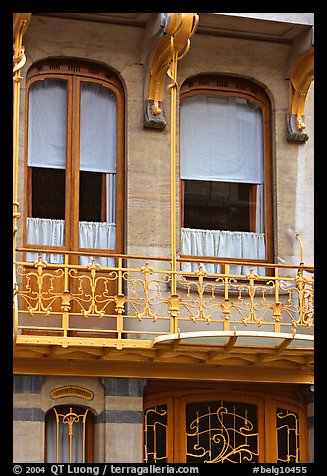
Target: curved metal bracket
<point x="180" y="27"/>
<point x="300" y="80"/>
<point x="20" y="25"/>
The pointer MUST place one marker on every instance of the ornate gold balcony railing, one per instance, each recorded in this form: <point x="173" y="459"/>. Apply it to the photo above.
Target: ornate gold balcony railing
<point x="132" y="304"/>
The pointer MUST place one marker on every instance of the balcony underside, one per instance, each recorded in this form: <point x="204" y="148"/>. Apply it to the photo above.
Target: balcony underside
<point x="136" y="320"/>
<point x="169" y="360"/>
<point x="283" y="359"/>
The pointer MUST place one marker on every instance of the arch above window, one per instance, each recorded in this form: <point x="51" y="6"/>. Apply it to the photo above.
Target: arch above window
<point x="72" y="391"/>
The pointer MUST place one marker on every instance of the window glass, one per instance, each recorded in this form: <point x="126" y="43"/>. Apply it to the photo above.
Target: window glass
<point x="218" y="205"/>
<point x="155" y="434"/>
<point x="222" y="177"/>
<point x="287" y="424"/>
<point x="72" y="121"/>
<point x="69" y="435"/>
<point x="97" y="193"/>
<point x="47" y="122"/>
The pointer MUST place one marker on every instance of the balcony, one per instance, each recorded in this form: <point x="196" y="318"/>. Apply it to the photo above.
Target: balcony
<point x="140" y="310"/>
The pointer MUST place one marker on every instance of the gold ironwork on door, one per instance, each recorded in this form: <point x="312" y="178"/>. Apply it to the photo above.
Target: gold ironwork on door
<point x="287" y="424"/>
<point x="180" y="429"/>
<point x="155" y="434"/>
<point x="219" y="432"/>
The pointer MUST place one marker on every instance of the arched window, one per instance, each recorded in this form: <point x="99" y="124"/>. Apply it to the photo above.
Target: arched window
<point x="225" y="169"/>
<point x="69" y="434"/>
<point x="74" y="164"/>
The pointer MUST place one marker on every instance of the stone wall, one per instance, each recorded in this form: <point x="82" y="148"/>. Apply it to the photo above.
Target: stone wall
<point x="118" y="408"/>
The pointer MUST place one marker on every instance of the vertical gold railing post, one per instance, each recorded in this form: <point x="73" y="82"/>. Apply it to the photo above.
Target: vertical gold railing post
<point x="277" y="304"/>
<point x="65" y="307"/>
<point x="120" y="299"/>
<point x="20" y="24"/>
<point x="185" y="26"/>
<point x="57" y="435"/>
<point x="172" y="89"/>
<point x="70" y="433"/>
<point x="226" y="306"/>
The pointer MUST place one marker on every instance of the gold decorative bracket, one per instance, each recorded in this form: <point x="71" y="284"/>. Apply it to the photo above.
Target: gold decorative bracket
<point x="300" y="80"/>
<point x="20" y="25"/>
<point x="180" y="26"/>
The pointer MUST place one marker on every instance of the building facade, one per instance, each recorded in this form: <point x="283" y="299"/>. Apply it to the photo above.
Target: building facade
<point x="163" y="243"/>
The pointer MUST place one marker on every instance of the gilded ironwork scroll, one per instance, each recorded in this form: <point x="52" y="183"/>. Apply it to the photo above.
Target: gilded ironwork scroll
<point x="221" y="432"/>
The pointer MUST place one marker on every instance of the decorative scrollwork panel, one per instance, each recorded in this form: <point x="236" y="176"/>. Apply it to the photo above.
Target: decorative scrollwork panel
<point x="221" y="432"/>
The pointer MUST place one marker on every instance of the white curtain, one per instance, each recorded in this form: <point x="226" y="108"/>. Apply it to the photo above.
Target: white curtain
<point x="95" y="235"/>
<point x="45" y="231"/>
<point x="221" y="140"/>
<point x="47" y="126"/>
<point x="98" y="129"/>
<point x="47" y="117"/>
<point x="259" y="210"/>
<point x="227" y="244"/>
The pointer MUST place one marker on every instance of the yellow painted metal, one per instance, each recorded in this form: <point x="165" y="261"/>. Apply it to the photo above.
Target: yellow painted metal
<point x="176" y="40"/>
<point x="162" y="304"/>
<point x="20" y="25"/>
<point x="300" y="80"/>
<point x="70" y="419"/>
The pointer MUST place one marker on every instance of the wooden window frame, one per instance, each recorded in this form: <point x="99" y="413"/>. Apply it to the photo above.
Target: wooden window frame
<point x="74" y="72"/>
<point x="232" y="86"/>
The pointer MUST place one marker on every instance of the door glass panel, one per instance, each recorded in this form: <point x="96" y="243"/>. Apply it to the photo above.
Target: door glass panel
<point x="221" y="432"/>
<point x="155" y="434"/>
<point x="287" y="436"/>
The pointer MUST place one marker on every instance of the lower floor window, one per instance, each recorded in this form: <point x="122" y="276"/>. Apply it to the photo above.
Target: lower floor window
<point x="69" y="435"/>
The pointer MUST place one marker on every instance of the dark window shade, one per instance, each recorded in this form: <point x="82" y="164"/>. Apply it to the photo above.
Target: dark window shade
<point x="90" y="198"/>
<point x="48" y="193"/>
<point x="217" y="205"/>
